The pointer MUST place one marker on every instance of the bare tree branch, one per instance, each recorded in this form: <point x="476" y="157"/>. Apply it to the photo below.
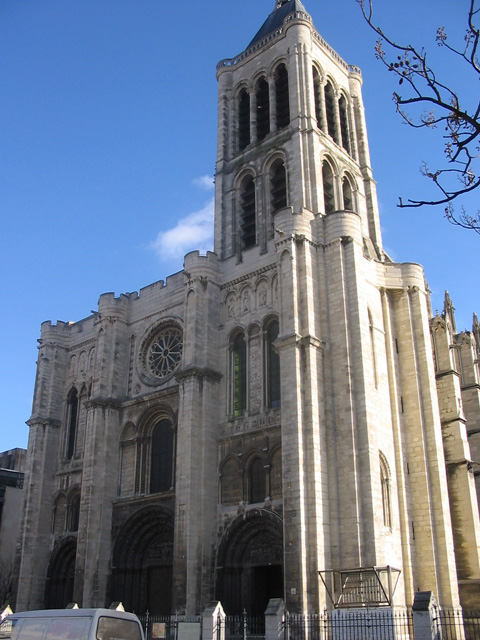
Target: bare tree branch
<point x="442" y="109"/>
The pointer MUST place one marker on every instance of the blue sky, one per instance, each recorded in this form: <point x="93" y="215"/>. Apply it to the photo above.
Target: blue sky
<point x="108" y="144"/>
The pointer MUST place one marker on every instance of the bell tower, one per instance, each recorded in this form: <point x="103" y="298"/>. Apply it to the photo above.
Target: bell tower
<point x="292" y="142"/>
<point x="295" y="195"/>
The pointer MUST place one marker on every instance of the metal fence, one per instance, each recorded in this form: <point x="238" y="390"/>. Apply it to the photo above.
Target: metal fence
<point x="243" y="626"/>
<point x="457" y="624"/>
<point x="171" y="627"/>
<point x="340" y="624"/>
<point x="345" y="624"/>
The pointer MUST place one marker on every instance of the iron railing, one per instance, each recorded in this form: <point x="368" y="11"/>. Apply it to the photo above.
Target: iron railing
<point x="170" y="627"/>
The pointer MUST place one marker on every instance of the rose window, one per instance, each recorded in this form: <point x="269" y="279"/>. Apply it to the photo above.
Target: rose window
<point x="165" y="352"/>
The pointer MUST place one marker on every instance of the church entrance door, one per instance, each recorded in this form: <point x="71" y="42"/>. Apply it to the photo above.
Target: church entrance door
<point x="250" y="563"/>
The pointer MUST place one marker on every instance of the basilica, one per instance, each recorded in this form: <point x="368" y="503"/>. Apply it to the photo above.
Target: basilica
<point x="285" y="417"/>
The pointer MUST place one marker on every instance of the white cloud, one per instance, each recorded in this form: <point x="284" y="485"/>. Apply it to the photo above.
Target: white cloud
<point x="193" y="232"/>
<point x="204" y="182"/>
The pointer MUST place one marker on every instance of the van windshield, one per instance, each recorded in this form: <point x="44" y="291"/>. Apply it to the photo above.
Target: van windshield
<point x="117" y="629"/>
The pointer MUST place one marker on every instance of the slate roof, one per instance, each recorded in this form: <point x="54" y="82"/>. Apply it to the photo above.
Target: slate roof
<point x="276" y="18"/>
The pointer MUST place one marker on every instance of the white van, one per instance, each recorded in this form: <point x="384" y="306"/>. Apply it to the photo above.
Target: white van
<point x="71" y="624"/>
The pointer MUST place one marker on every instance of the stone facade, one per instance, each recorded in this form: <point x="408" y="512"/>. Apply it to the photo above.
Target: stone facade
<point x="278" y="408"/>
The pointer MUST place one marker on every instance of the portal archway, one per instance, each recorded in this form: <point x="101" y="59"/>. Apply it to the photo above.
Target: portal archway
<point x="250" y="563"/>
<point x="142" y="563"/>
<point x="61" y="574"/>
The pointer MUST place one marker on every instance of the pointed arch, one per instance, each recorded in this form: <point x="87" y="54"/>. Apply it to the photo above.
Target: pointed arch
<point x="61" y="574"/>
<point x="142" y="560"/>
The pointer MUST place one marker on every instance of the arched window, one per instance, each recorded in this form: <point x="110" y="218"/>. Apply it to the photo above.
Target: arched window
<point x="278" y="186"/>
<point x="248" y="213"/>
<point x="239" y="375"/>
<point x="328" y="188"/>
<point x="317" y="88"/>
<point x="347" y="195"/>
<point x="386" y="497"/>
<point x="59" y="515"/>
<point x="330" y="109"/>
<point x="276" y="490"/>
<point x="282" y="96"/>
<point x="256" y="481"/>
<point x="243" y="119"/>
<point x="161" y="472"/>
<point x="72" y="419"/>
<point x="128" y="451"/>
<point x="73" y="512"/>
<point x="272" y="369"/>
<point x="263" y="109"/>
<point x="231" y="483"/>
<point x="342" y="107"/>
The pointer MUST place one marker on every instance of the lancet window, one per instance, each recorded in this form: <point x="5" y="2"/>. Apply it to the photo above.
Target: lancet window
<point x="330" y="110"/>
<point x="282" y="96"/>
<point x="347" y="195"/>
<point x="161" y="470"/>
<point x="342" y="107"/>
<point x="263" y="109"/>
<point x="72" y="422"/>
<point x="317" y="89"/>
<point x="256" y="481"/>
<point x="386" y="493"/>
<point x="239" y="375"/>
<point x="278" y="186"/>
<point x="248" y="222"/>
<point x="328" y="188"/>
<point x="243" y="119"/>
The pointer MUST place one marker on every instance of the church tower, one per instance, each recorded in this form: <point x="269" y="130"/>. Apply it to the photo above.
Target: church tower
<point x="266" y="423"/>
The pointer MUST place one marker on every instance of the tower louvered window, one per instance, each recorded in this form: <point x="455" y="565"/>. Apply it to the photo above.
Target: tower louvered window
<point x="342" y="106"/>
<point x="248" y="213"/>
<point x="278" y="186"/>
<point x="330" y="109"/>
<point x="263" y="109"/>
<point x="243" y="119"/>
<point x="328" y="188"/>
<point x="282" y="96"/>
<point x="317" y="88"/>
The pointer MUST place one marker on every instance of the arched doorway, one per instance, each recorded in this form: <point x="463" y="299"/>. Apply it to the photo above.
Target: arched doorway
<point x="61" y="574"/>
<point x="250" y="563"/>
<point x="142" y="564"/>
